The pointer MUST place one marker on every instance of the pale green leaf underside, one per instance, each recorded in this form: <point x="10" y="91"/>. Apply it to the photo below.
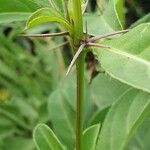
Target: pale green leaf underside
<point x="46" y="15"/>
<point x="96" y="24"/>
<point x="45" y="139"/>
<point x="90" y="137"/>
<point x="107" y="22"/>
<point x="123" y="118"/>
<point x="101" y="93"/>
<point x="128" y="59"/>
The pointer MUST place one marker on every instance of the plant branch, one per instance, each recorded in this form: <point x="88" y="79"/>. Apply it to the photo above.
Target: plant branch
<point x="97" y="45"/>
<point x="98" y="37"/>
<point x="46" y="35"/>
<point x="59" y="46"/>
<point x="90" y="42"/>
<point x="80" y="50"/>
<point x="75" y="57"/>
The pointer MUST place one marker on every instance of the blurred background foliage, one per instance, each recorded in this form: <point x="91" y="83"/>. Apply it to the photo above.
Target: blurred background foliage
<point x="33" y="87"/>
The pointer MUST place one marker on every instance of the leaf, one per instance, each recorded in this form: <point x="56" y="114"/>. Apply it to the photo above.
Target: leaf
<point x="90" y="137"/>
<point x="101" y="93"/>
<point x="144" y="19"/>
<point x="123" y="119"/>
<point x="45" y="139"/>
<point x="61" y="107"/>
<point x="7" y="128"/>
<point x="46" y="15"/>
<point x="140" y="141"/>
<point x="19" y="10"/>
<point x="13" y="16"/>
<point x="111" y="19"/>
<point x="120" y="12"/>
<point x="12" y="113"/>
<point x="43" y="3"/>
<point x="128" y="58"/>
<point x="114" y="14"/>
<point x="17" y="143"/>
<point x="18" y="6"/>
<point x="103" y="97"/>
<point x="57" y="4"/>
<point x="84" y="5"/>
<point x="99" y="116"/>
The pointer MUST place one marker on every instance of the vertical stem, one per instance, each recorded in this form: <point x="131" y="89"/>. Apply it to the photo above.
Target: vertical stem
<point x="80" y="98"/>
<point x="78" y="34"/>
<point x="78" y="22"/>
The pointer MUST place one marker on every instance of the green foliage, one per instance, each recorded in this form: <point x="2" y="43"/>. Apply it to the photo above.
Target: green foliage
<point x="114" y="106"/>
<point x="132" y="63"/>
<point x="123" y="118"/>
<point x="46" y="15"/>
<point x="90" y="137"/>
<point x="45" y="138"/>
<point x="62" y="101"/>
<point x="58" y="5"/>
<point x="110" y="20"/>
<point x="18" y="10"/>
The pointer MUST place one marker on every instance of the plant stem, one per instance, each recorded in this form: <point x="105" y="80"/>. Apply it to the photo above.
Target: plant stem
<point x="78" y="34"/>
<point x="46" y="35"/>
<point x="80" y="98"/>
<point x="78" y="22"/>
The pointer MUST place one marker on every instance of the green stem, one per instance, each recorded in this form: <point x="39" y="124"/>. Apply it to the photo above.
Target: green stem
<point x="80" y="98"/>
<point x="77" y="36"/>
<point x="78" y="22"/>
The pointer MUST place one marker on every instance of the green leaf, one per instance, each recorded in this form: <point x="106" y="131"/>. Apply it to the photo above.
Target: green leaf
<point x="103" y="97"/>
<point x="45" y="139"/>
<point x="114" y="14"/>
<point x="13" y="16"/>
<point x="7" y="128"/>
<point x="111" y="19"/>
<point x="140" y="141"/>
<point x="16" y="143"/>
<point x="84" y="5"/>
<point x="18" y="6"/>
<point x="90" y="137"/>
<point x="101" y="93"/>
<point x="12" y="113"/>
<point x="43" y="3"/>
<point x="123" y="119"/>
<point x="120" y="11"/>
<point x="46" y="15"/>
<point x="145" y="19"/>
<point x="18" y="10"/>
<point x="57" y="4"/>
<point x="99" y="116"/>
<point x="61" y="107"/>
<point x="128" y="58"/>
